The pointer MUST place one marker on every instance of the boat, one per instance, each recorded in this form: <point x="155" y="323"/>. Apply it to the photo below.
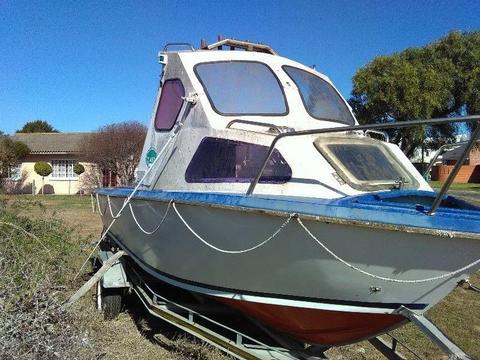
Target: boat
<point x="258" y="188"/>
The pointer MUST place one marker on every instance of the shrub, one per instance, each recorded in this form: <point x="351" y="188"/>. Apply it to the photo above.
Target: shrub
<point x="35" y="268"/>
<point x="78" y="169"/>
<point x="43" y="168"/>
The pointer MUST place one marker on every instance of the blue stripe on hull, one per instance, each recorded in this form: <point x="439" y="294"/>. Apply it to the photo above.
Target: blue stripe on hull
<point x="406" y="208"/>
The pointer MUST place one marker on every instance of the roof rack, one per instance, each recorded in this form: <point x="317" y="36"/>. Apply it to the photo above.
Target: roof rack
<point x="234" y="44"/>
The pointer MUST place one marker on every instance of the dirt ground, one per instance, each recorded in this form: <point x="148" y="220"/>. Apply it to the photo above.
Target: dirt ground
<point x="137" y="335"/>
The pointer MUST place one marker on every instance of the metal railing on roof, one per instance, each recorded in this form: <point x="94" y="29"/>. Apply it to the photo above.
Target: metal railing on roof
<point x="187" y="46"/>
<point x="229" y="44"/>
<point x="383" y="126"/>
<point x="233" y="44"/>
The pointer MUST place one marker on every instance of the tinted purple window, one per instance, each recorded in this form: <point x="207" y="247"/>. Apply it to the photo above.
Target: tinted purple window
<point x="223" y="160"/>
<point x="169" y="105"/>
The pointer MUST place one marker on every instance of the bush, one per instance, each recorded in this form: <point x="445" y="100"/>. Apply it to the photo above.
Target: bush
<point x="35" y="263"/>
<point x="78" y="169"/>
<point x="11" y="152"/>
<point x="43" y="168"/>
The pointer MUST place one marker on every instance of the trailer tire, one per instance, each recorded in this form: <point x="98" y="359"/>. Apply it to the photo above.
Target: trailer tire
<point x="111" y="303"/>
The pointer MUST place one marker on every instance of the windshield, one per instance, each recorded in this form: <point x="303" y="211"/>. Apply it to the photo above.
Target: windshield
<point x="321" y="100"/>
<point x="242" y="88"/>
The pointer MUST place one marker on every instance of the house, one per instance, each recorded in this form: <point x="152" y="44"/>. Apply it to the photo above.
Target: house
<point x="421" y="158"/>
<point x="469" y="172"/>
<point x="62" y="152"/>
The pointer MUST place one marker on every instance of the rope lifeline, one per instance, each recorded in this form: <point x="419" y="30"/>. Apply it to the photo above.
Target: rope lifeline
<point x="271" y="237"/>
<point x="188" y="102"/>
<point x="99" y="207"/>
<point x="336" y="257"/>
<point x="127" y="200"/>
<point x="158" y="226"/>
<point x="232" y="251"/>
<point x="110" y="208"/>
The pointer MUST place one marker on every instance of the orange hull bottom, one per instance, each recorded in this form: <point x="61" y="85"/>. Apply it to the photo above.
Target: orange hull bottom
<point x="316" y="326"/>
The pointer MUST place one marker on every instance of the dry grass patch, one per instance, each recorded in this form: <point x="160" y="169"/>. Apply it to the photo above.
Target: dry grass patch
<point x="136" y="334"/>
<point x="38" y="279"/>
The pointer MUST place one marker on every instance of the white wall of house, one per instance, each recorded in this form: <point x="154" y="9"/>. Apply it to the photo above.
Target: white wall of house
<point x="62" y="181"/>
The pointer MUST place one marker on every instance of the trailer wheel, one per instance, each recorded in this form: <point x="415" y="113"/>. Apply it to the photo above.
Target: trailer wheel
<point x="111" y="303"/>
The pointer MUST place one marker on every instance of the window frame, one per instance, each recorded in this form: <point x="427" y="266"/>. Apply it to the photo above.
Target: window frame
<point x="66" y="177"/>
<point x="321" y="144"/>
<point x="158" y="105"/>
<point x="212" y="104"/>
<point x="329" y="85"/>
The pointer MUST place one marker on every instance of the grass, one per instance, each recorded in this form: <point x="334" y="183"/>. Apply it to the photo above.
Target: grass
<point x="34" y="274"/>
<point x="135" y="334"/>
<point x="36" y="277"/>
<point x="457" y="186"/>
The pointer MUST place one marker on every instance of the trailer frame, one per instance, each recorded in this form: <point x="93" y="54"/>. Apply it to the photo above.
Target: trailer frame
<point x="124" y="277"/>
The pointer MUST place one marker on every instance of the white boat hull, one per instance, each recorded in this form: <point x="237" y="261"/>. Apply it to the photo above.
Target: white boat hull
<point x="292" y="273"/>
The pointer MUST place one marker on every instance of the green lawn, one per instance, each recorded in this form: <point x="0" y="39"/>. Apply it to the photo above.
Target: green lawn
<point x="461" y="187"/>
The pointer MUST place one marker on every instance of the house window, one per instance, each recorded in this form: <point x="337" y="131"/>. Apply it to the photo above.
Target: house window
<point x="63" y="169"/>
<point x="221" y="160"/>
<point x="14" y="172"/>
<point x="169" y="104"/>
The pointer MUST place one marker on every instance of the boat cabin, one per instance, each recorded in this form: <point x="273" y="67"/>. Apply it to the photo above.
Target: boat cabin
<point x="221" y="110"/>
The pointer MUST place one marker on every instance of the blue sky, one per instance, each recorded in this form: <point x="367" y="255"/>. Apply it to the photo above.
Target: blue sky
<point x="83" y="64"/>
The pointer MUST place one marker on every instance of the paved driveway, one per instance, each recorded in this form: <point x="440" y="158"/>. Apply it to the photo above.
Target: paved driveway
<point x="470" y="196"/>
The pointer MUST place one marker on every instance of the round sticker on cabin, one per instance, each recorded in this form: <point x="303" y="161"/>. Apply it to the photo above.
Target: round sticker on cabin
<point x="150" y="157"/>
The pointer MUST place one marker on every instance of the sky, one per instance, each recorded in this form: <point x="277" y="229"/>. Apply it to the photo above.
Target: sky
<point x="83" y="64"/>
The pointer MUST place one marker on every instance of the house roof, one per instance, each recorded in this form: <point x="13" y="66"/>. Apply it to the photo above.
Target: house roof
<point x="51" y="143"/>
<point x="455" y="153"/>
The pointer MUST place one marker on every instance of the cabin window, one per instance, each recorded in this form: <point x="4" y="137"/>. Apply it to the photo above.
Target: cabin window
<point x="364" y="163"/>
<point x="169" y="104"/>
<point x="320" y="99"/>
<point x="222" y="160"/>
<point x="242" y="88"/>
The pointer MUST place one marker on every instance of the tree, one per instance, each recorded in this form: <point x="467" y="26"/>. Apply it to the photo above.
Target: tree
<point x="116" y="148"/>
<point x="43" y="169"/>
<point x="11" y="152"/>
<point x="438" y="80"/>
<point x="37" y="126"/>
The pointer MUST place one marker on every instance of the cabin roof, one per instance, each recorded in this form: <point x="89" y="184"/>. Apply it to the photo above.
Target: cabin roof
<point x="192" y="58"/>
